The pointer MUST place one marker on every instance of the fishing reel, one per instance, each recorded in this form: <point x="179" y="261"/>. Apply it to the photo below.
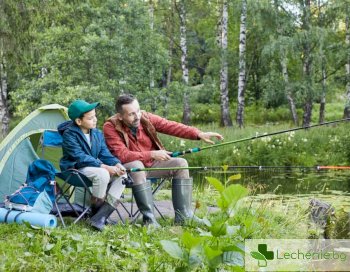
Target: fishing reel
<point x="127" y="181"/>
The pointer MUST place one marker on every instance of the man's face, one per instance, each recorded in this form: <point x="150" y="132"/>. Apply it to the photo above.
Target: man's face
<point x="131" y="114"/>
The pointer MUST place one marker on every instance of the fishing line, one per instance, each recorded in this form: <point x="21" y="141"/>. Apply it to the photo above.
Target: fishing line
<point x="253" y="167"/>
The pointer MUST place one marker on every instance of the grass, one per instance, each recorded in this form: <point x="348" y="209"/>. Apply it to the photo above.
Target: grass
<point x="136" y="248"/>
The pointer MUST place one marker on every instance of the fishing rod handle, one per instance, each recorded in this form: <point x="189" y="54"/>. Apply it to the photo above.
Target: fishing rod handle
<point x="131" y="170"/>
<point x="179" y="153"/>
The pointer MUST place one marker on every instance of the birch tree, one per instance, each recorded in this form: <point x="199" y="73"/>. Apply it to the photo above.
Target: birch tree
<point x="288" y="90"/>
<point x="151" y="24"/>
<point x="307" y="64"/>
<point x="4" y="109"/>
<point x="242" y="65"/>
<point x="224" y="99"/>
<point x="185" y="77"/>
<point x="284" y="65"/>
<point x="347" y="65"/>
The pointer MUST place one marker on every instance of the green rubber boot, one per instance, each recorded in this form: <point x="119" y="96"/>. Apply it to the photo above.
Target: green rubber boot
<point x="98" y="221"/>
<point x="144" y="200"/>
<point x="182" y="201"/>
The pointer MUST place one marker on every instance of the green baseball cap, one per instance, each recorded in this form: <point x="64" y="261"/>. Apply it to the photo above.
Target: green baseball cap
<point x="79" y="107"/>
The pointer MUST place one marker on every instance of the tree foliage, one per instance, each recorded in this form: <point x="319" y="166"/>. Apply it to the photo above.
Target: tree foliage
<point x="58" y="51"/>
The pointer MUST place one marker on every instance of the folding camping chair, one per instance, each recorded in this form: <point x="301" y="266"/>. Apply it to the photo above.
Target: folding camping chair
<point x="73" y="182"/>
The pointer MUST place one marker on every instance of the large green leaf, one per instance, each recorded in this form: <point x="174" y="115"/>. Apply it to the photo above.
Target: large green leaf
<point x="216" y="183"/>
<point x="196" y="255"/>
<point x="189" y="241"/>
<point x="173" y="249"/>
<point x="218" y="229"/>
<point x="213" y="256"/>
<point x="233" y="193"/>
<point x="233" y="258"/>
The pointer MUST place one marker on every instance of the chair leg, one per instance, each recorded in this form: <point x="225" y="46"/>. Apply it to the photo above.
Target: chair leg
<point x="59" y="214"/>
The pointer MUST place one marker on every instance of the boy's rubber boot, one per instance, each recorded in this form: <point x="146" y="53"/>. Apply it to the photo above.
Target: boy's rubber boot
<point x="95" y="204"/>
<point x="182" y="201"/>
<point x="144" y="200"/>
<point x="98" y="221"/>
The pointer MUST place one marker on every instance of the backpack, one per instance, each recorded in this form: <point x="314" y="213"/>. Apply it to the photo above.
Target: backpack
<point x="37" y="194"/>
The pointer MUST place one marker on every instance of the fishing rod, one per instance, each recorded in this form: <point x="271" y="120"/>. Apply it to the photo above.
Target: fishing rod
<point x="197" y="149"/>
<point x="258" y="167"/>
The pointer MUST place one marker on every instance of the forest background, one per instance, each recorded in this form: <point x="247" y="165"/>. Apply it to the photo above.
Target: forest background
<point x="197" y="61"/>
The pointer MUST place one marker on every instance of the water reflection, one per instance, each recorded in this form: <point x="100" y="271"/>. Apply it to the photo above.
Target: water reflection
<point x="287" y="182"/>
<point x="328" y="185"/>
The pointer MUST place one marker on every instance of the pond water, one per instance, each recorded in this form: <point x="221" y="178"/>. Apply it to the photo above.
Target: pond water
<point x="332" y="186"/>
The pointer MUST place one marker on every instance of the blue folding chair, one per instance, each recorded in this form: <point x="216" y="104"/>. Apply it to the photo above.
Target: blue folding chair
<point x="75" y="184"/>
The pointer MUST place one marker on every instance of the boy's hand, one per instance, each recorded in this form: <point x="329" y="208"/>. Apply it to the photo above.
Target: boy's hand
<point x="120" y="169"/>
<point x="117" y="169"/>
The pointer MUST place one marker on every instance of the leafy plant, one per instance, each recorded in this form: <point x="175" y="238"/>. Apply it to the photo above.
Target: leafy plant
<point x="211" y="247"/>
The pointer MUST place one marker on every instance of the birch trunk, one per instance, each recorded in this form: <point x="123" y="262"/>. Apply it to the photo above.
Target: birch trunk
<point x="242" y="66"/>
<point x="347" y="67"/>
<point x="323" y="96"/>
<point x="288" y="91"/>
<point x="183" y="45"/>
<point x="170" y="55"/>
<point x="307" y="61"/>
<point x="151" y="16"/>
<point x="4" y="110"/>
<point x="224" y="99"/>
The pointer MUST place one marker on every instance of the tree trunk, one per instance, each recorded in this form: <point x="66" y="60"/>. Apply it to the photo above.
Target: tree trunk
<point x="4" y="110"/>
<point x="151" y="20"/>
<point x="168" y="78"/>
<point x="307" y="61"/>
<point x="242" y="66"/>
<point x="288" y="91"/>
<point x="225" y="105"/>
<point x="183" y="44"/>
<point x="323" y="96"/>
<point x="347" y="67"/>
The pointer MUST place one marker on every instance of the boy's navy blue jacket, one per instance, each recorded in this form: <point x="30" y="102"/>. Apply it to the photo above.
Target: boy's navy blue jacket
<point x="77" y="152"/>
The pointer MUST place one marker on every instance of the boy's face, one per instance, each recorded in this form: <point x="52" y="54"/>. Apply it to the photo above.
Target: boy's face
<point x="131" y="114"/>
<point x="88" y="121"/>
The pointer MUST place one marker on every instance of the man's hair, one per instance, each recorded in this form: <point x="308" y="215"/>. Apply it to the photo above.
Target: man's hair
<point x="123" y="99"/>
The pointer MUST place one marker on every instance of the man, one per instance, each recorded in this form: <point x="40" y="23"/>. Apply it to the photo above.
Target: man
<point x="131" y="135"/>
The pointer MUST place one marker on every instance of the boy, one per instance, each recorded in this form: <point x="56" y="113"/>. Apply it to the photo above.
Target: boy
<point x="84" y="148"/>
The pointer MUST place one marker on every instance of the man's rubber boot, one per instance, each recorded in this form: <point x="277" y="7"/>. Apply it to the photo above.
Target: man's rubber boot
<point x="144" y="200"/>
<point x="182" y="201"/>
<point x="98" y="221"/>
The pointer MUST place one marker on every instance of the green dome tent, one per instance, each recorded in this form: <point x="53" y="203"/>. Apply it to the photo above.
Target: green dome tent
<point x="21" y="145"/>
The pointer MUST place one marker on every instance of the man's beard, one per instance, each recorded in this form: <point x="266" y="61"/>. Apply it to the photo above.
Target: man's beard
<point x="135" y="124"/>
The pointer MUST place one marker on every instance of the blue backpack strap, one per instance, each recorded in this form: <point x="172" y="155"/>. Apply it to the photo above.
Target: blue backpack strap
<point x="6" y="216"/>
<point x="16" y="217"/>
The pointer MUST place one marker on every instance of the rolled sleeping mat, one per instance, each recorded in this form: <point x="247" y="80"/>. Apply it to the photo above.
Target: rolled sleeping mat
<point x="36" y="219"/>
